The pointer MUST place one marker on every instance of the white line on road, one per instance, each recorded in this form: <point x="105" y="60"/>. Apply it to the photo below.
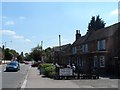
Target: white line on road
<point x="25" y="81"/>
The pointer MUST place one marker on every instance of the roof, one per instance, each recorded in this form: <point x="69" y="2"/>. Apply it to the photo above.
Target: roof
<point x="103" y="33"/>
<point x="63" y="47"/>
<point x="79" y="41"/>
<point x="98" y="34"/>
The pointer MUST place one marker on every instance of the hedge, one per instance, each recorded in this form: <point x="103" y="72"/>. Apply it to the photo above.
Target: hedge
<point x="48" y="69"/>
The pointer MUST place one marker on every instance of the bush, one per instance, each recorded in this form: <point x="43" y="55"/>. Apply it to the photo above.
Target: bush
<point x="49" y="69"/>
<point x="45" y="65"/>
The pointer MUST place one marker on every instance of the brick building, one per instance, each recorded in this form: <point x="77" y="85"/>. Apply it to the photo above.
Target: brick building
<point x="97" y="49"/>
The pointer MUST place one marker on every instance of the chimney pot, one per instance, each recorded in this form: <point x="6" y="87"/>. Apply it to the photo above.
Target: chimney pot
<point x="78" y="35"/>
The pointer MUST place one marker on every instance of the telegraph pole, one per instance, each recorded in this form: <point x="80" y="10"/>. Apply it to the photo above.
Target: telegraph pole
<point x="42" y="44"/>
<point x="60" y="42"/>
<point x="3" y="53"/>
<point x="59" y="49"/>
<point x="42" y="57"/>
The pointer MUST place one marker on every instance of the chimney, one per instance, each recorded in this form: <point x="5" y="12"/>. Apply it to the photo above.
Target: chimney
<point x="78" y="35"/>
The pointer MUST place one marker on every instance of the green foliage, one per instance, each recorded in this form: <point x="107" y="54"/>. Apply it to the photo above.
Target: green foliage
<point x="19" y="58"/>
<point x="27" y="57"/>
<point x="49" y="69"/>
<point x="96" y="23"/>
<point x="15" y="54"/>
<point x="37" y="53"/>
<point x="7" y="54"/>
<point x="49" y="55"/>
<point x="45" y="65"/>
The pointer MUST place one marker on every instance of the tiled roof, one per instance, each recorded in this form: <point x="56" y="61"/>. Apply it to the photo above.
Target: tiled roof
<point x="103" y="33"/>
<point x="98" y="34"/>
<point x="63" y="47"/>
<point x="79" y="41"/>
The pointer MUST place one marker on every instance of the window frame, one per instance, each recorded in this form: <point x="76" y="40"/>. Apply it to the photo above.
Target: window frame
<point x="101" y="44"/>
<point x="102" y="58"/>
<point x="95" y="61"/>
<point x="74" y="50"/>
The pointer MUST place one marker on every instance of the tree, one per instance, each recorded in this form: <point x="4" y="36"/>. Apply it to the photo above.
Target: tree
<point x="19" y="58"/>
<point x="10" y="53"/>
<point x="27" y="57"/>
<point x="14" y="52"/>
<point x="7" y="54"/>
<point x="37" y="53"/>
<point x="96" y="24"/>
<point x="49" y="55"/>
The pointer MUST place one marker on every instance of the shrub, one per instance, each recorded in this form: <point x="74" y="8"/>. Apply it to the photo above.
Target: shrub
<point x="49" y="69"/>
<point x="45" y="65"/>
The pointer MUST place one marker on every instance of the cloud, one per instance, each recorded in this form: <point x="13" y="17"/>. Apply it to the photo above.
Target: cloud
<point x="14" y="35"/>
<point x="9" y="23"/>
<point x="115" y="12"/>
<point x="28" y="40"/>
<point x="22" y="18"/>
<point x="7" y="32"/>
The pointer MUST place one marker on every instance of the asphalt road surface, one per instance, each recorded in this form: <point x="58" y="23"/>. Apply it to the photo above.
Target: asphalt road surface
<point x="14" y="79"/>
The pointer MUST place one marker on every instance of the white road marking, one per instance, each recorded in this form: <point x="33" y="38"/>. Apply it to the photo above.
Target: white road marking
<point x="25" y="81"/>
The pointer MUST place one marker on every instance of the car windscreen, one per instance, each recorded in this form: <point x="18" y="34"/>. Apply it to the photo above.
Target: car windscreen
<point x="13" y="64"/>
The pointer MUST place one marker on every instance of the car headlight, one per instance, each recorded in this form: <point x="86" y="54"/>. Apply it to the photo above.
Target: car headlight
<point x="7" y="66"/>
<point x="14" y="67"/>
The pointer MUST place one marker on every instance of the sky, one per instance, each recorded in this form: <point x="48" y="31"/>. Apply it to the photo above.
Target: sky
<point x="25" y="24"/>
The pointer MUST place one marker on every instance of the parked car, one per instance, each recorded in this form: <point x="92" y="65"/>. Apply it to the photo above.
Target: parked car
<point x="13" y="66"/>
<point x="36" y="64"/>
<point x="26" y="62"/>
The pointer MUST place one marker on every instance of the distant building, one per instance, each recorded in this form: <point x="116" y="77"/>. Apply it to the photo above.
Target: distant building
<point x="61" y="54"/>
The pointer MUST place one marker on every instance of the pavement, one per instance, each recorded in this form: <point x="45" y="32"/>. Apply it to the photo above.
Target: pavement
<point x="35" y="80"/>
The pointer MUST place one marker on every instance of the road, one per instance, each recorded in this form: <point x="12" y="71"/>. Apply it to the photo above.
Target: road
<point x="14" y="79"/>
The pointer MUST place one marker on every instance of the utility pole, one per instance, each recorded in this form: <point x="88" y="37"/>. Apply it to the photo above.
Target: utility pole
<point x="42" y="44"/>
<point x="42" y="57"/>
<point x="59" y="48"/>
<point x="60" y="42"/>
<point x="3" y="53"/>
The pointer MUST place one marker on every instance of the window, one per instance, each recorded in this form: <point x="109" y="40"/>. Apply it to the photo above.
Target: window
<point x="102" y="61"/>
<point x="85" y="48"/>
<point x="101" y="45"/>
<point x="69" y="61"/>
<point x="79" y="62"/>
<point x="74" y="50"/>
<point x="95" y="61"/>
